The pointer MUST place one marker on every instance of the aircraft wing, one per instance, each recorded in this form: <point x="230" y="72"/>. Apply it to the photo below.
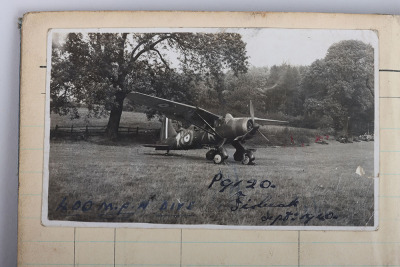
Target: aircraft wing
<point x="158" y="147"/>
<point x="174" y="110"/>
<point x="269" y="121"/>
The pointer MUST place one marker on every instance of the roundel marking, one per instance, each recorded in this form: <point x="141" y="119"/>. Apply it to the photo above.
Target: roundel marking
<point x="163" y="105"/>
<point x="186" y="138"/>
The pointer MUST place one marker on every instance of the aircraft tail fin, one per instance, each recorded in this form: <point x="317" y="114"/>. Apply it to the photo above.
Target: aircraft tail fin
<point x="167" y="130"/>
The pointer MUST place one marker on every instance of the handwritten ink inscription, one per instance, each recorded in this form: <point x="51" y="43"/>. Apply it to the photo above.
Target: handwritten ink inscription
<point x="250" y="195"/>
<point x="126" y="209"/>
<point x="259" y="199"/>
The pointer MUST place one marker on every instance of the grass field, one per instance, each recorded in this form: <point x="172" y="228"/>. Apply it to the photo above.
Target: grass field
<point x="312" y="185"/>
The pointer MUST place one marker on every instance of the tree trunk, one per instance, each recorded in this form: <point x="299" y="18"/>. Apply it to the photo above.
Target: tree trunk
<point x="115" y="117"/>
<point x="116" y="111"/>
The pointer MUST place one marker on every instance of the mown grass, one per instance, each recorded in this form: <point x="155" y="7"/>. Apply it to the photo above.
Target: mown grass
<point x="321" y="177"/>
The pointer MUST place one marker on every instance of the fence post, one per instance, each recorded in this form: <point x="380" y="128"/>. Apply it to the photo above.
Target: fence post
<point x="137" y="130"/>
<point x="55" y="134"/>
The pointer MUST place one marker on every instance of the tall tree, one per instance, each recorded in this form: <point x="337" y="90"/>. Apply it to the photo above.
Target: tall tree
<point x="341" y="86"/>
<point x="100" y="69"/>
<point x="283" y="90"/>
<point x="243" y="88"/>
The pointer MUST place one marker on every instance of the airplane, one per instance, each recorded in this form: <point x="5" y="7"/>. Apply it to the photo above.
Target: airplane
<point x="206" y="130"/>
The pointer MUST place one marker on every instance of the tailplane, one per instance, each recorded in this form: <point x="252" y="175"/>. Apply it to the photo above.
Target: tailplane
<point x="167" y="130"/>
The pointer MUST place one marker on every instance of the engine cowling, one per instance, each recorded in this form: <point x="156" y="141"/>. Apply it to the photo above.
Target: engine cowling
<point x="232" y="128"/>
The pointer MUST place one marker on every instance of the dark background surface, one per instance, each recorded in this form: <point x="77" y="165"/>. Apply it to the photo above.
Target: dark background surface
<point x="9" y="72"/>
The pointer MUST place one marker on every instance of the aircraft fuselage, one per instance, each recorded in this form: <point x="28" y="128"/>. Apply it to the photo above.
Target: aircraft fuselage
<point x="227" y="129"/>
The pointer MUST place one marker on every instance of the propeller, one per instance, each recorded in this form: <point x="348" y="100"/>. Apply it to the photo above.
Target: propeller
<point x="253" y="121"/>
<point x="253" y="127"/>
<point x="263" y="135"/>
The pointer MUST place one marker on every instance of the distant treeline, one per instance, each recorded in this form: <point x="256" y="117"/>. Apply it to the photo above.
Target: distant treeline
<point x="334" y="94"/>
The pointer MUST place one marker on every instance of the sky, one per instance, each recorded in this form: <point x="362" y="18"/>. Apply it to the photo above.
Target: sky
<point x="268" y="46"/>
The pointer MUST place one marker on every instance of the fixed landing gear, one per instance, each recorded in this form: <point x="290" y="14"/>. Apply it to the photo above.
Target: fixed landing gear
<point x="218" y="155"/>
<point x="243" y="155"/>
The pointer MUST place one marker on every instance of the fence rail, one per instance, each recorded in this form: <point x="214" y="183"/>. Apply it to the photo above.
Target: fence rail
<point x="83" y="132"/>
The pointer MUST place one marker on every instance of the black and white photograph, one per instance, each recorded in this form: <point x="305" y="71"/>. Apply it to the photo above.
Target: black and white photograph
<point x="228" y="128"/>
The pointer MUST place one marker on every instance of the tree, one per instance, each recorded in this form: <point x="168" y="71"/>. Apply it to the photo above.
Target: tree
<point x="274" y="91"/>
<point x="100" y="69"/>
<point x="282" y="91"/>
<point x="341" y="86"/>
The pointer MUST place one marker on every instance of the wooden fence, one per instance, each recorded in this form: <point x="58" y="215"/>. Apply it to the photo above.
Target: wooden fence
<point x="83" y="132"/>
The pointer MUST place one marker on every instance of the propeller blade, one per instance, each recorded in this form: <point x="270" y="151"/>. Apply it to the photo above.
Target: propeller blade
<point x="252" y="112"/>
<point x="262" y="135"/>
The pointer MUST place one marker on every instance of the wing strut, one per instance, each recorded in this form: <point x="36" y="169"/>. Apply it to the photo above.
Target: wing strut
<point x="202" y="128"/>
<point x="211" y="128"/>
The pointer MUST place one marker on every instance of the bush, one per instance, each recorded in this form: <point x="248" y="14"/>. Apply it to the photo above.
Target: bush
<point x="284" y="136"/>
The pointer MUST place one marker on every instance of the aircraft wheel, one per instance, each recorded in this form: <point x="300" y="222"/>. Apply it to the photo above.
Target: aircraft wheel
<point x="218" y="159"/>
<point x="224" y="154"/>
<point x="246" y="159"/>
<point x="210" y="154"/>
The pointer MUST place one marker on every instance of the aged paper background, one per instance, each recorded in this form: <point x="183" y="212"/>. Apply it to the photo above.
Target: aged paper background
<point x="52" y="246"/>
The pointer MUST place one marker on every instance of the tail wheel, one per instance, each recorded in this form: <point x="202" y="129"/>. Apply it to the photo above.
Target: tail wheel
<point x="218" y="159"/>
